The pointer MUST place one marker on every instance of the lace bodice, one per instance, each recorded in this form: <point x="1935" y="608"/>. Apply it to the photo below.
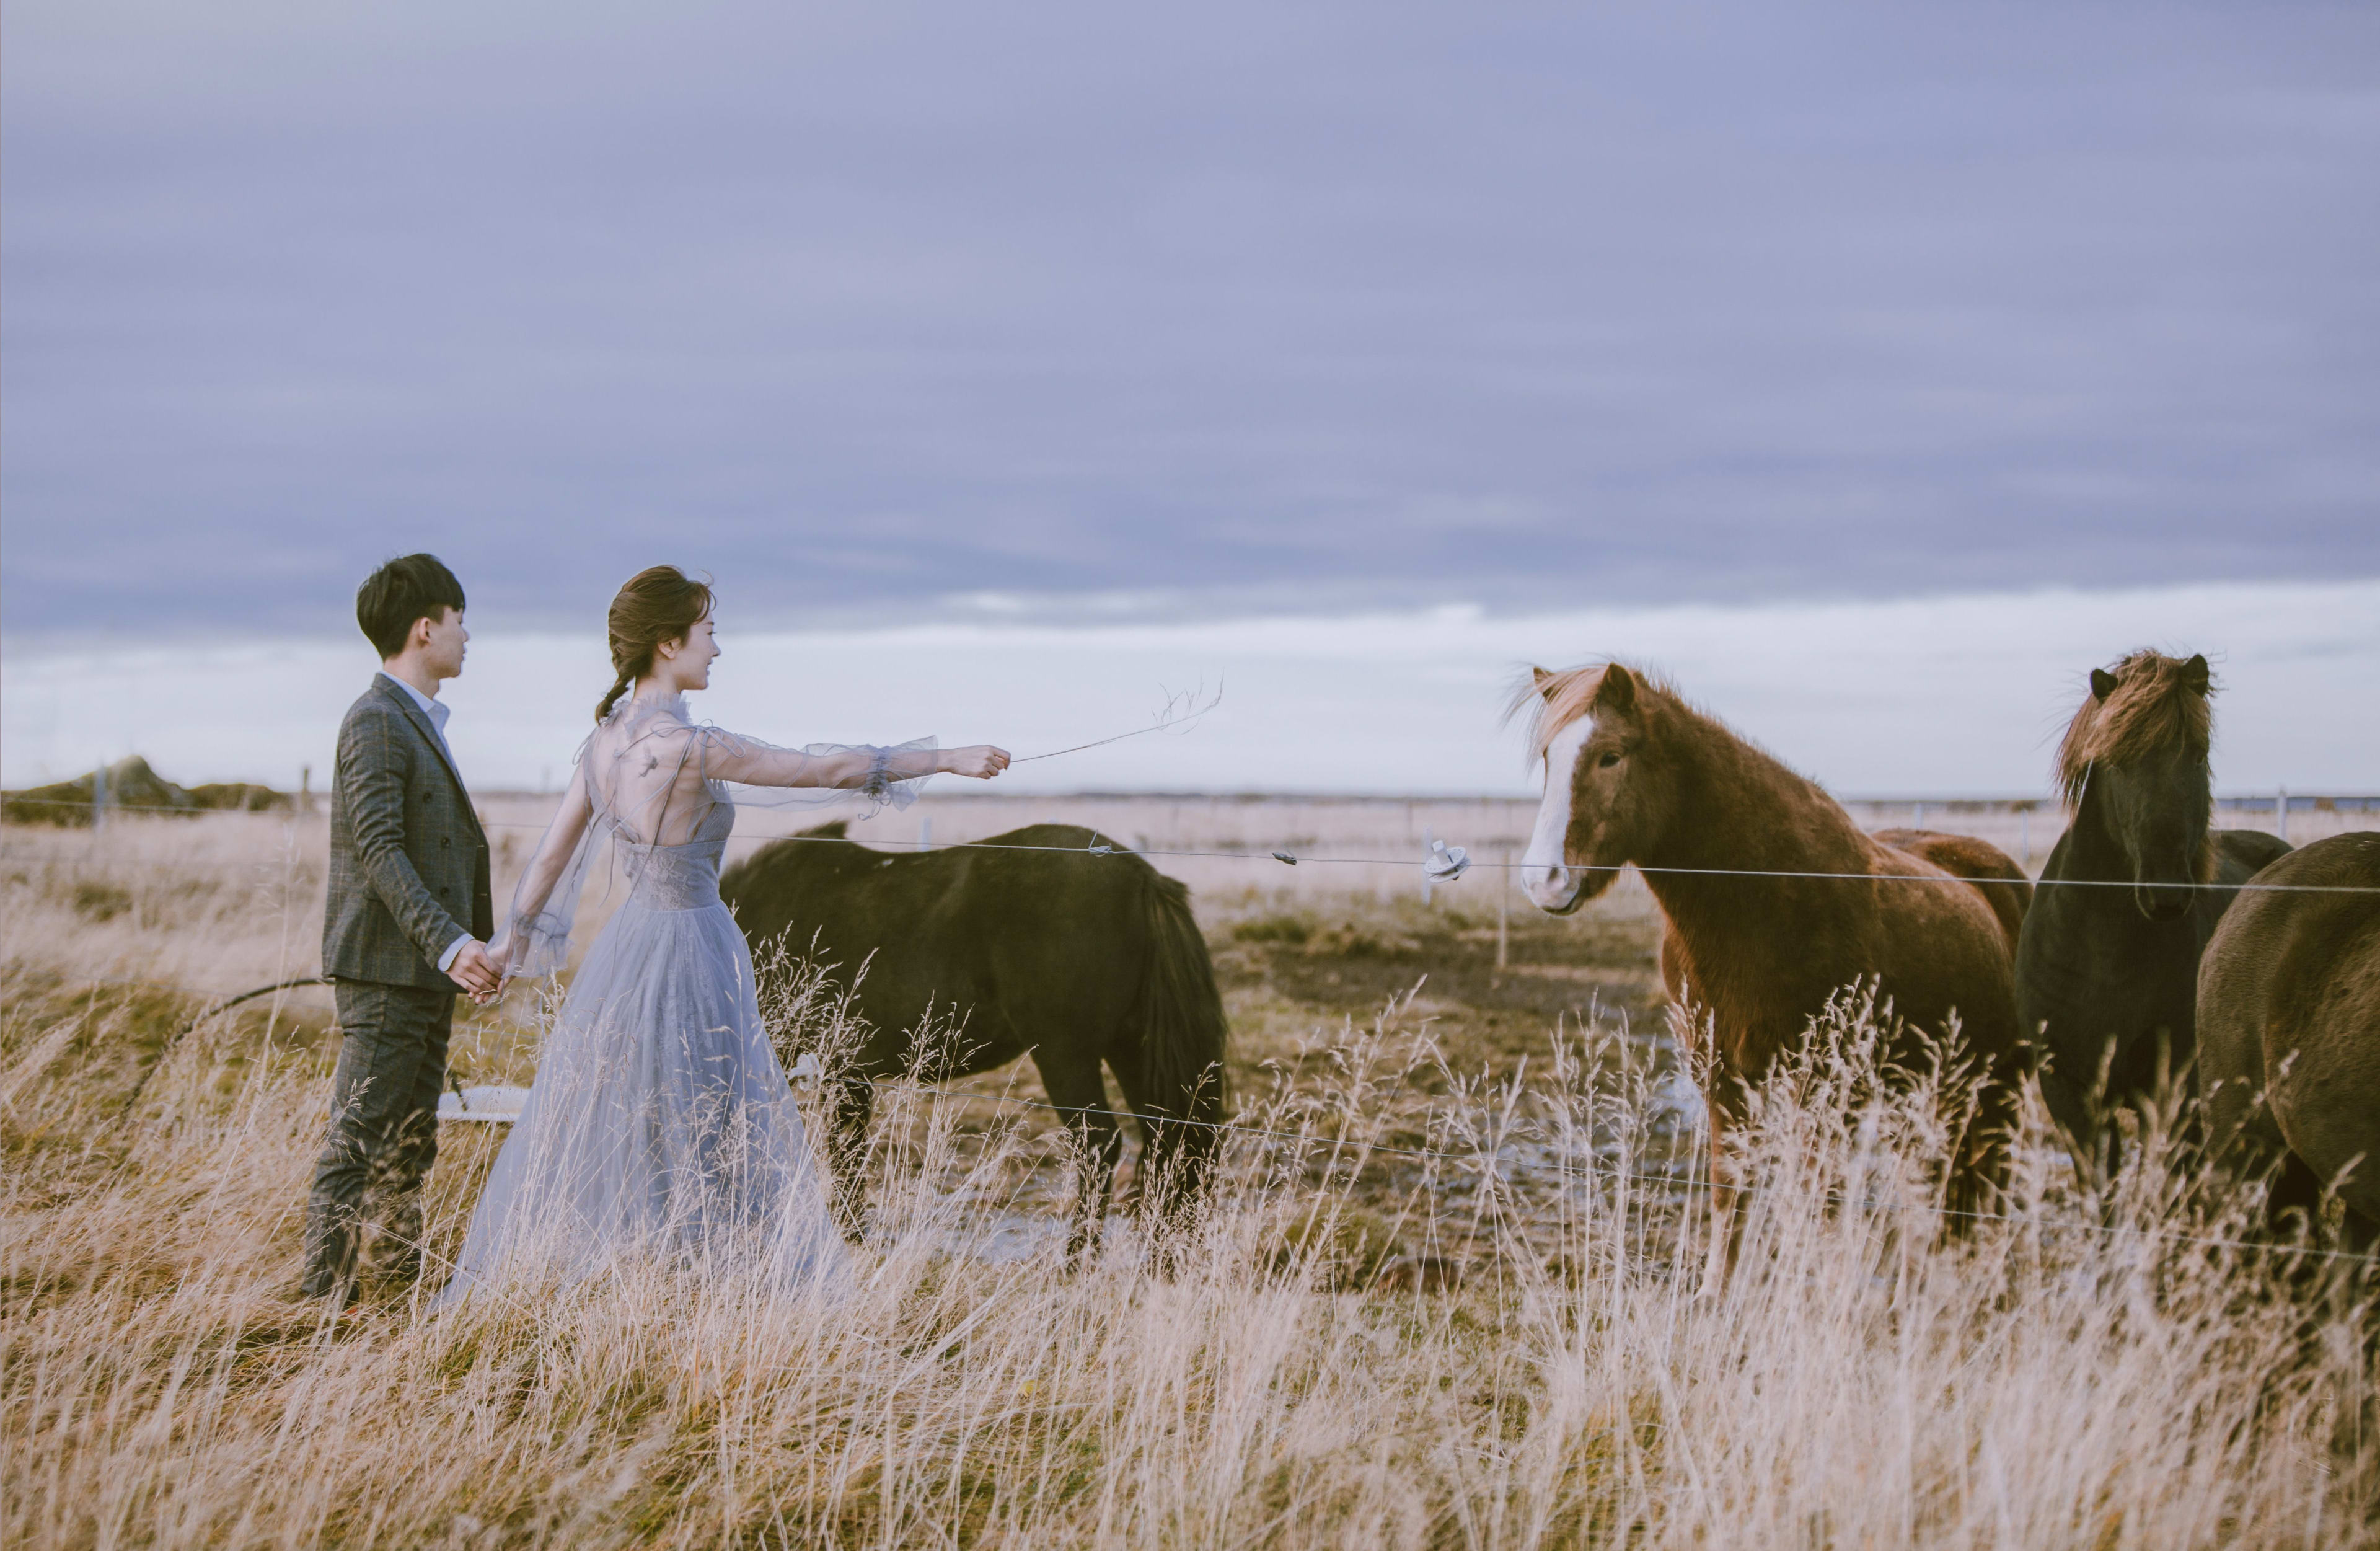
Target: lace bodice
<point x="684" y="876"/>
<point x="664" y="789"/>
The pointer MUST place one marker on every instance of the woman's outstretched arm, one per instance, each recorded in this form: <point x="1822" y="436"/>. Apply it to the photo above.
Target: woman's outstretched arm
<point x="729" y="758"/>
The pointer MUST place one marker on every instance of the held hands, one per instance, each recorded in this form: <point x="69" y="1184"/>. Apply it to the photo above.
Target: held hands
<point x="500" y="953"/>
<point x="476" y="973"/>
<point x="980" y="761"/>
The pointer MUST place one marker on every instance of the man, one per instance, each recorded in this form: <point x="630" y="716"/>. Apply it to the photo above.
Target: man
<point x="408" y="918"/>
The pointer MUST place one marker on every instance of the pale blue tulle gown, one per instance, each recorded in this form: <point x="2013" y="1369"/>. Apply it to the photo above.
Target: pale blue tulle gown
<point x="660" y="1129"/>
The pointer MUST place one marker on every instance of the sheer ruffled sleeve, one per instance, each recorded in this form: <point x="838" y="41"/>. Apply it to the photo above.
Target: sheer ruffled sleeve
<point x="764" y="775"/>
<point x="649" y="778"/>
<point x="536" y="935"/>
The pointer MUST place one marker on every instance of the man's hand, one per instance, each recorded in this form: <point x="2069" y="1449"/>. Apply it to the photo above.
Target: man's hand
<point x="981" y="761"/>
<point x="500" y="953"/>
<point x="475" y="971"/>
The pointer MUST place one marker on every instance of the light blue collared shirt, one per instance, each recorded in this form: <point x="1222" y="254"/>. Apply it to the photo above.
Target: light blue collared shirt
<point x="437" y="711"/>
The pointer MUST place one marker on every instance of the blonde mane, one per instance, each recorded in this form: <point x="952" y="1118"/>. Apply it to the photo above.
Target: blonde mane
<point x="2152" y="709"/>
<point x="1561" y="698"/>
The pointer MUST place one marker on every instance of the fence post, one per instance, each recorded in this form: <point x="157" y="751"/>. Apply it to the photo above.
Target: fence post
<point x="304" y="788"/>
<point x="1503" y="902"/>
<point x="99" y="798"/>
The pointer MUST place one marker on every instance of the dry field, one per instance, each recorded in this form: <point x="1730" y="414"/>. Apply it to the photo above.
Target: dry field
<point x="1497" y="1343"/>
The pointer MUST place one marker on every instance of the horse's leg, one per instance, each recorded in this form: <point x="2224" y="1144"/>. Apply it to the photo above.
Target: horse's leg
<point x="2293" y="1203"/>
<point x="2107" y="1161"/>
<point x="2359" y="1235"/>
<point x="847" y="1155"/>
<point x="1160" y="1189"/>
<point x="1979" y="1170"/>
<point x="2296" y="1188"/>
<point x="1142" y="1193"/>
<point x="1726" y="1222"/>
<point x="1075" y="1086"/>
<point x="1699" y="1034"/>
<point x="2355" y="1433"/>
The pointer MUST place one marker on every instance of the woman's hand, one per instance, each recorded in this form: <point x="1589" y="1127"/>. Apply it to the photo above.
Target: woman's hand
<point x="981" y="762"/>
<point x="499" y="953"/>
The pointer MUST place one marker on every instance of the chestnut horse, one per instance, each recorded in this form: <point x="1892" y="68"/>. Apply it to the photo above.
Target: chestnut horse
<point x="1635" y="775"/>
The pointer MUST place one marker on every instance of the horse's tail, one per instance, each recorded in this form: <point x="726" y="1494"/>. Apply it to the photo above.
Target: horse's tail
<point x="1181" y="1019"/>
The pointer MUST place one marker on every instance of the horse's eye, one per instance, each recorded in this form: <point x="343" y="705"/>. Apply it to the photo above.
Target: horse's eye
<point x="1609" y="759"/>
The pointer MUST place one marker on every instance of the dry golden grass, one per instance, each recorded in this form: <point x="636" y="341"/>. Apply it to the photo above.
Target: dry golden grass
<point x="1496" y="1346"/>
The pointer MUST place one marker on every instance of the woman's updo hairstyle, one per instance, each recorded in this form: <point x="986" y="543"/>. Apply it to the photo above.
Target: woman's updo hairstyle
<point x="657" y="603"/>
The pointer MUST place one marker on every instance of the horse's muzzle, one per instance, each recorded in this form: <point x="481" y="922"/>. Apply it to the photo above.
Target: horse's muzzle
<point x="1555" y="890"/>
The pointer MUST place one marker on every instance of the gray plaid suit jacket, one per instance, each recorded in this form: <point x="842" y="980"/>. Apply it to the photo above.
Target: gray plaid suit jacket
<point x="408" y="860"/>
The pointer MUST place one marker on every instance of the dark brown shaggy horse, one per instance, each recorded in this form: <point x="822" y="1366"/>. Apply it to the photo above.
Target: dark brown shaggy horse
<point x="975" y="956"/>
<point x="2289" y="1031"/>
<point x="2107" y="973"/>
<point x="1635" y="775"/>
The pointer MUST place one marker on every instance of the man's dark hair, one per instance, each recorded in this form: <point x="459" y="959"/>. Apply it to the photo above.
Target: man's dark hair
<point x="409" y="588"/>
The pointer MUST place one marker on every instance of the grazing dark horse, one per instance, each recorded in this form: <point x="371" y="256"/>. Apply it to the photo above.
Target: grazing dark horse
<point x="1073" y="957"/>
<point x="1635" y="775"/>
<point x="2289" y="1032"/>
<point x="2107" y="973"/>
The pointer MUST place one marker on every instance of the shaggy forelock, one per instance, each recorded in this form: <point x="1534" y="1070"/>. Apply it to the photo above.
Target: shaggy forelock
<point x="2152" y="710"/>
<point x="1566" y="696"/>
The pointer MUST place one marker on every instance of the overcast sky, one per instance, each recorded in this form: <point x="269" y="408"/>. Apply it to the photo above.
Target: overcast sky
<point x="1933" y="696"/>
<point x="1182" y="310"/>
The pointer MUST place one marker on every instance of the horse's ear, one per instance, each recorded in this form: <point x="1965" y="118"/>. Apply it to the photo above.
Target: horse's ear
<point x="1618" y="691"/>
<point x="2103" y="683"/>
<point x="2195" y="674"/>
<point x="1542" y="682"/>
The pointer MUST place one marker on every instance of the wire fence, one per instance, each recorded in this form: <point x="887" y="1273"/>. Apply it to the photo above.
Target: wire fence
<point x="1430" y="860"/>
<point x="1688" y="1181"/>
<point x="1488" y="1160"/>
<point x="1096" y="850"/>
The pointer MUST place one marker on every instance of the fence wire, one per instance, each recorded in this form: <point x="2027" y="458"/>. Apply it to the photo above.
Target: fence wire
<point x="1687" y="1182"/>
<point x="1096" y="850"/>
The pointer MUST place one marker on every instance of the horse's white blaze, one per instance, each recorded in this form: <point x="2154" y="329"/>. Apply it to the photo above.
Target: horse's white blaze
<point x="1545" y="876"/>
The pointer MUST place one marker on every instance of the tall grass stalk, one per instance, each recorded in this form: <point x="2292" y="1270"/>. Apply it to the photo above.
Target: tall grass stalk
<point x="1497" y="1345"/>
<point x="1864" y="1381"/>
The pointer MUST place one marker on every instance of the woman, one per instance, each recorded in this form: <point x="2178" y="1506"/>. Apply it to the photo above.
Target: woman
<point x="661" y="1126"/>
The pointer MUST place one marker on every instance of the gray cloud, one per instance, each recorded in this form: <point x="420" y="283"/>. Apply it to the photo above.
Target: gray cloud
<point x="862" y="308"/>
